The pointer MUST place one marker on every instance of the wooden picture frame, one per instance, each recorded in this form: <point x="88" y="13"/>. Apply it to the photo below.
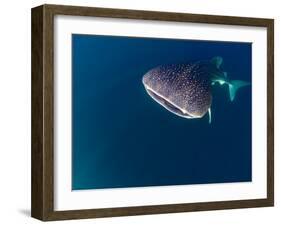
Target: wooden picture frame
<point x="42" y="205"/>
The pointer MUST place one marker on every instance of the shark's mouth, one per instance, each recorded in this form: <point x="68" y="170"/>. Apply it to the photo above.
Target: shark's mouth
<point x="168" y="104"/>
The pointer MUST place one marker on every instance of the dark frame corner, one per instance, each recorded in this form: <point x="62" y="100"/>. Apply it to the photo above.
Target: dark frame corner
<point x="42" y="203"/>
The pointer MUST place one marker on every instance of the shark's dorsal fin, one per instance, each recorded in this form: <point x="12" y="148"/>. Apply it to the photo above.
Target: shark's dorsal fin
<point x="217" y="61"/>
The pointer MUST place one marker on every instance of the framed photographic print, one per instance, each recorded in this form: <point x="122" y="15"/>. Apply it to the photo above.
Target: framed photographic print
<point x="141" y="112"/>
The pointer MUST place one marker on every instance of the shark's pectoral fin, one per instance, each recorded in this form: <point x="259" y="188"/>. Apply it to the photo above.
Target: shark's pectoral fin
<point x="210" y="115"/>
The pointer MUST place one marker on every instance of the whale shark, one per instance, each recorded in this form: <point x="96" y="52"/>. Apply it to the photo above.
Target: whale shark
<point x="185" y="89"/>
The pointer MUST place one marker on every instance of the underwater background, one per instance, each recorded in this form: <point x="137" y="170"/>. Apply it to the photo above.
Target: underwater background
<point x="122" y="138"/>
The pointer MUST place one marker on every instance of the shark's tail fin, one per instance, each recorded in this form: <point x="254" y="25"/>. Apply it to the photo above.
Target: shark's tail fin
<point x="234" y="85"/>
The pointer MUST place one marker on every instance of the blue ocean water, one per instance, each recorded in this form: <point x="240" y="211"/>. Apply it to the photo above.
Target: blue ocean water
<point x="122" y="138"/>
